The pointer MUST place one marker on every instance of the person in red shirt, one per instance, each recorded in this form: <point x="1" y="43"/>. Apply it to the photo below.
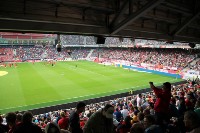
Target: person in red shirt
<point x="125" y="126"/>
<point x="161" y="106"/>
<point x="63" y="123"/>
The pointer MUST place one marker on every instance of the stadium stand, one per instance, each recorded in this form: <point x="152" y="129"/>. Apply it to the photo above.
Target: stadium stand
<point x="178" y="58"/>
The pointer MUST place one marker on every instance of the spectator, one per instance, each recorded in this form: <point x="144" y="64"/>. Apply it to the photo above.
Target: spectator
<point x="125" y="126"/>
<point x="172" y="108"/>
<point x="124" y="112"/>
<point x="19" y="118"/>
<point x="181" y="107"/>
<point x="139" y="100"/>
<point x="135" y="117"/>
<point x="10" y="119"/>
<point x="197" y="108"/>
<point x="137" y="128"/>
<point x="101" y="121"/>
<point x="146" y="111"/>
<point x="64" y="121"/>
<point x="192" y="122"/>
<point x="141" y="118"/>
<point x="162" y="102"/>
<point x="54" y="128"/>
<point x="74" y="120"/>
<point x="118" y="115"/>
<point x="188" y="102"/>
<point x="27" y="126"/>
<point x="150" y="125"/>
<point x="3" y="128"/>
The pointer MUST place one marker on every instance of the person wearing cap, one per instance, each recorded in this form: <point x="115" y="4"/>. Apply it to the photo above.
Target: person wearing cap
<point x="74" y="120"/>
<point x="161" y="106"/>
<point x="101" y="121"/>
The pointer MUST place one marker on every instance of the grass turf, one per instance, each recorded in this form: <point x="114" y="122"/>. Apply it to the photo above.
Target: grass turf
<point x="37" y="85"/>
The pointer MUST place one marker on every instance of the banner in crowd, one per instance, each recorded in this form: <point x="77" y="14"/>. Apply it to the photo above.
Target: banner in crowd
<point x="190" y="74"/>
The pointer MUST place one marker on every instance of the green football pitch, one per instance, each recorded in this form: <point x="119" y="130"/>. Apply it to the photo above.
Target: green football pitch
<point x="37" y="85"/>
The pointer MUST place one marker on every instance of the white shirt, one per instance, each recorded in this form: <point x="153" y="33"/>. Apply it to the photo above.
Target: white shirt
<point x="139" y="101"/>
<point x="124" y="113"/>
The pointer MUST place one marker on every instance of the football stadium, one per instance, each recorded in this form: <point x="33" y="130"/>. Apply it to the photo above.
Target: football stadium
<point x="92" y="66"/>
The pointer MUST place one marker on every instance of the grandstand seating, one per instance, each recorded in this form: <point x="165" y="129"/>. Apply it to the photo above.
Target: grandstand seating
<point x="195" y="67"/>
<point x="167" y="57"/>
<point x="178" y="58"/>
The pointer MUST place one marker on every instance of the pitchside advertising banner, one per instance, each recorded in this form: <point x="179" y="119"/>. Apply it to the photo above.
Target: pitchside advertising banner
<point x="190" y="74"/>
<point x="161" y="68"/>
<point x="174" y="71"/>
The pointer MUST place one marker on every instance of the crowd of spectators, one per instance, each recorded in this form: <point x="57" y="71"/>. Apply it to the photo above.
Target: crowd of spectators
<point x="156" y="42"/>
<point x="28" y="52"/>
<point x="91" y="40"/>
<point x="167" y="57"/>
<point x="77" y="40"/>
<point x="149" y="42"/>
<point x="172" y="109"/>
<point x="114" y="41"/>
<point x="39" y="52"/>
<point x="82" y="40"/>
<point x="6" y="53"/>
<point x="196" y="66"/>
<point x="178" y="58"/>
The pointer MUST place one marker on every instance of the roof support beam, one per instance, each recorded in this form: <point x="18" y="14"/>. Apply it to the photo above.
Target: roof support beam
<point x="24" y="8"/>
<point x="49" y="19"/>
<point x="157" y="36"/>
<point x="176" y="5"/>
<point x="184" y="24"/>
<point x="91" y="7"/>
<point x="120" y="14"/>
<point x="62" y="28"/>
<point x="134" y="16"/>
<point x="175" y="9"/>
<point x="131" y="6"/>
<point x="161" y="19"/>
<point x="51" y="27"/>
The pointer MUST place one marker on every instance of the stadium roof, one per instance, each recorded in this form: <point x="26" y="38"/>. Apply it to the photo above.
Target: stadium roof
<point x="172" y="20"/>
